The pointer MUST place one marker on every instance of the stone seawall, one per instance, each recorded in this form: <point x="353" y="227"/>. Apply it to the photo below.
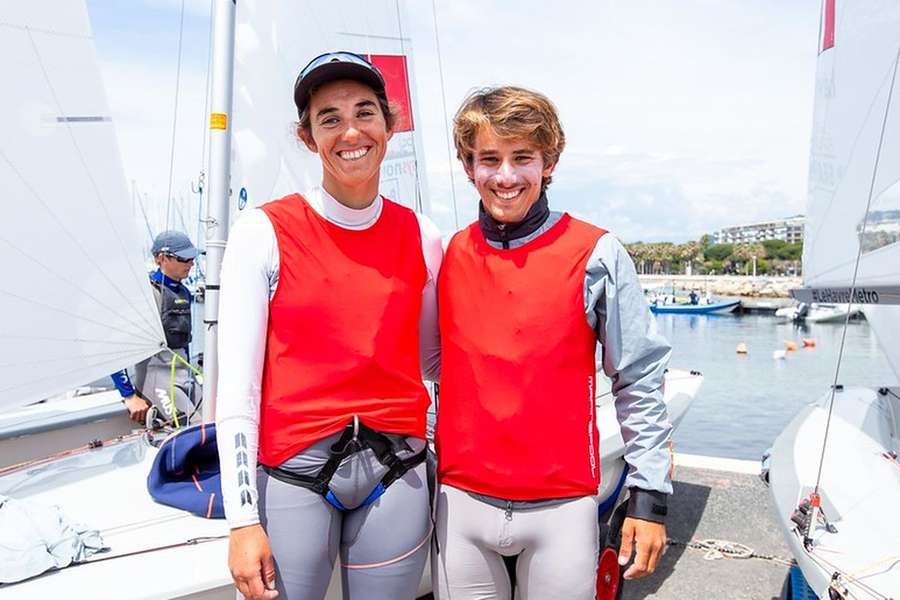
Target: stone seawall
<point x="726" y="285"/>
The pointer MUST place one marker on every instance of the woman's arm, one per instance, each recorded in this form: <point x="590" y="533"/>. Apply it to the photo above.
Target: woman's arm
<point x="249" y="275"/>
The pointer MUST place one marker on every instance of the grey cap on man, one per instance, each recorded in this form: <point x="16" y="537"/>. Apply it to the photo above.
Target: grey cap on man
<point x="175" y="243"/>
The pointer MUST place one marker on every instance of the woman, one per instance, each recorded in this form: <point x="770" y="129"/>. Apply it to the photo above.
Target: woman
<point x="323" y="301"/>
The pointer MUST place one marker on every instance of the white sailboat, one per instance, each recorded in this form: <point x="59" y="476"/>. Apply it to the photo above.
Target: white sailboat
<point x="834" y="472"/>
<point x="74" y="288"/>
<point x="156" y="551"/>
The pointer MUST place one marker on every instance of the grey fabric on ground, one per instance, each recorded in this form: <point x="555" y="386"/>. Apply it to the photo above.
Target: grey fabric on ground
<point x="383" y="546"/>
<point x="36" y="538"/>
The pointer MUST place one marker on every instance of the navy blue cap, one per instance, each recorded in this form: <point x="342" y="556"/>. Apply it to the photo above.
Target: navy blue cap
<point x="335" y="65"/>
<point x="174" y="242"/>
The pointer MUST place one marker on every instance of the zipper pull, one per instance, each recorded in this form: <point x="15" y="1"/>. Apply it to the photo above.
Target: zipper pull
<point x="509" y="510"/>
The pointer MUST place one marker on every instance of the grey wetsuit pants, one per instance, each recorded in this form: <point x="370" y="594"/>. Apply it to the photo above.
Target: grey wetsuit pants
<point x="557" y="547"/>
<point x="383" y="546"/>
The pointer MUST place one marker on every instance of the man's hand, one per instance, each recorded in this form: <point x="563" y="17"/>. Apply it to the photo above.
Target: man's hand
<point x="251" y="563"/>
<point x="137" y="408"/>
<point x="650" y="540"/>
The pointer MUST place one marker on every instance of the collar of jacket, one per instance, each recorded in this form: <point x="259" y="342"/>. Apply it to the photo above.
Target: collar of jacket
<point x="170" y="283"/>
<point x="505" y="232"/>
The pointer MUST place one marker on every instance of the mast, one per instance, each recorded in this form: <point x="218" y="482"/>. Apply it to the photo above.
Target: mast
<point x="219" y="182"/>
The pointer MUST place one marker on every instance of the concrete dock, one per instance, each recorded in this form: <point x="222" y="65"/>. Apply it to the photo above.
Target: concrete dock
<point x="721" y="499"/>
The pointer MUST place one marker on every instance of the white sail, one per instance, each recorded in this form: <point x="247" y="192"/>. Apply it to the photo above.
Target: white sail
<point x="856" y="69"/>
<point x="274" y="40"/>
<point x="855" y="149"/>
<point x="75" y="304"/>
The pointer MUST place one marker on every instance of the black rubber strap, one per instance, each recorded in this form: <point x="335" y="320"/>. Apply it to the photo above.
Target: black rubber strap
<point x="648" y="505"/>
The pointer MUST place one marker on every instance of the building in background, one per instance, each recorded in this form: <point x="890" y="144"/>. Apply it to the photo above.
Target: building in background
<point x="789" y="230"/>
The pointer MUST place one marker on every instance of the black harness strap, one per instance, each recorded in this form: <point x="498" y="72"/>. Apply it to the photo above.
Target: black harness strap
<point x="351" y="442"/>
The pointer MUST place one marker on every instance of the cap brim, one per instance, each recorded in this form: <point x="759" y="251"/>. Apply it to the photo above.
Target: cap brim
<point x="187" y="253"/>
<point x="331" y="72"/>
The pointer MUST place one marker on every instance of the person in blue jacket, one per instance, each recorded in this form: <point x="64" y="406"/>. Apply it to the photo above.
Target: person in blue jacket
<point x="152" y="382"/>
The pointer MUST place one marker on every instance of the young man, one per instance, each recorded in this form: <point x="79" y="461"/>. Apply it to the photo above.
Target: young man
<point x="174" y="255"/>
<point x="525" y="296"/>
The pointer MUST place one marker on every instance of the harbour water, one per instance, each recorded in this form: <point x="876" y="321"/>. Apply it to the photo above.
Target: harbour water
<point x="746" y="400"/>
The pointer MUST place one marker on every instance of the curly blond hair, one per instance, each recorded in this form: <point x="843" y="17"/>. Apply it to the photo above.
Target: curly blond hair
<point x="511" y="112"/>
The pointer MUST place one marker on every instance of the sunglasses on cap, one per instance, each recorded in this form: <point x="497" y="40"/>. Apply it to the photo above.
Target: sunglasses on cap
<point x="335" y="65"/>
<point x="178" y="258"/>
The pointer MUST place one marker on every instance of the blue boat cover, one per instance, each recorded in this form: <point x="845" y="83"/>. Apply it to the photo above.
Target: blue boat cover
<point x="185" y="472"/>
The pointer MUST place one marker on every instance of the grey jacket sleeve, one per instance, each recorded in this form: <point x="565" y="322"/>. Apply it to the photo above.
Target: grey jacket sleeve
<point x="635" y="358"/>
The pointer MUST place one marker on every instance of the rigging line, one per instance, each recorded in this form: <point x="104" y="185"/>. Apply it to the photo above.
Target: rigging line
<point x="137" y="196"/>
<point x="63" y="278"/>
<point x="405" y="64"/>
<point x="175" y="117"/>
<point x="437" y="42"/>
<point x="837" y="369"/>
<point x="831" y="568"/>
<point x="206" y="96"/>
<point x="112" y="226"/>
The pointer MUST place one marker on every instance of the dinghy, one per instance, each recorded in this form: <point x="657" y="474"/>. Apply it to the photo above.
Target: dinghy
<point x="686" y="308"/>
<point x="834" y="473"/>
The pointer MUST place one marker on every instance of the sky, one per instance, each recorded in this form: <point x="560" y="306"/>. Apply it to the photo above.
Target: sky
<point x="682" y="116"/>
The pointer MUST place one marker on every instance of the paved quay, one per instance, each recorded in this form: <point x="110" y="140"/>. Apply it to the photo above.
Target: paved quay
<point x="725" y="500"/>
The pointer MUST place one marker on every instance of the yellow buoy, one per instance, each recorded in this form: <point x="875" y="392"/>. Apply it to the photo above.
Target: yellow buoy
<point x="790" y="346"/>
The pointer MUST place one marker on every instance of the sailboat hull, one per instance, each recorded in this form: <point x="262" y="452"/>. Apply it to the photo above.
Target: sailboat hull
<point x="57" y="425"/>
<point x="860" y="490"/>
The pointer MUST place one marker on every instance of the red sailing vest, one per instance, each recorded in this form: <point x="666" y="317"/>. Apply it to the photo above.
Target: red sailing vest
<point x="343" y="332"/>
<point x="516" y="416"/>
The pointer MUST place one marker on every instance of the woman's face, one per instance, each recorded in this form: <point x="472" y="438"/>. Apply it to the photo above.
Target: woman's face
<point x="350" y="134"/>
<point x="508" y="174"/>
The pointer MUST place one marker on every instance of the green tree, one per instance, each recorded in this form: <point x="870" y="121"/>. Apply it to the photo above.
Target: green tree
<point x="719" y="252"/>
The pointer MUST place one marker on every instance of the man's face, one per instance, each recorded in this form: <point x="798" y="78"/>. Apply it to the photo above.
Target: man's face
<point x="350" y="134"/>
<point x="172" y="268"/>
<point x="508" y="175"/>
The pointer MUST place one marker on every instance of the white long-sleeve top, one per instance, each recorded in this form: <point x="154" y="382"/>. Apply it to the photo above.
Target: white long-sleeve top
<point x="249" y="279"/>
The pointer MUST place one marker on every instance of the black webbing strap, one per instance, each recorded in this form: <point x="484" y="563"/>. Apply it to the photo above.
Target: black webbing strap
<point x="349" y="443"/>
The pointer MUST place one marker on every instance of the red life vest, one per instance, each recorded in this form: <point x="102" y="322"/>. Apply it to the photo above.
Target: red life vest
<point x="343" y="331"/>
<point x="516" y="416"/>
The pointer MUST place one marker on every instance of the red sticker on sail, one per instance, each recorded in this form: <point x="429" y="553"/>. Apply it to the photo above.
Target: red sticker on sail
<point x="827" y="25"/>
<point x="396" y="81"/>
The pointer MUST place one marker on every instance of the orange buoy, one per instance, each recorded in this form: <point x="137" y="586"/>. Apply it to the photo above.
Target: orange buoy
<point x="790" y="346"/>
<point x="741" y="348"/>
<point x="809" y="343"/>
